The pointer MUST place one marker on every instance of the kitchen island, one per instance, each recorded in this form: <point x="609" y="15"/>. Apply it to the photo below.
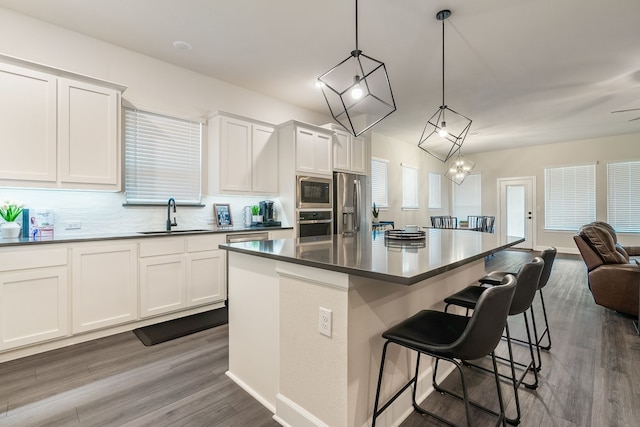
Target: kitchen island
<point x="306" y="317"/>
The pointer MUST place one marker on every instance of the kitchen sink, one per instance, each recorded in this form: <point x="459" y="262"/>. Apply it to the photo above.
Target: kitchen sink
<point x="195" y="230"/>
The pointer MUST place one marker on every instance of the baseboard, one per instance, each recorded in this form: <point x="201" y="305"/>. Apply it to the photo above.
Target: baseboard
<point x="252" y="392"/>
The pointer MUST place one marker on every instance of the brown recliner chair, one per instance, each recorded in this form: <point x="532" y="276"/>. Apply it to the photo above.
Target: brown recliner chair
<point x="613" y="280"/>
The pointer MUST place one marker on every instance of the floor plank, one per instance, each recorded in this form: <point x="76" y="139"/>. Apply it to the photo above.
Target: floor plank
<point x="590" y="377"/>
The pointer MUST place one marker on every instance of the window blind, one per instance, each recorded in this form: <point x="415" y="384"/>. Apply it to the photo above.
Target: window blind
<point x="435" y="191"/>
<point x="623" y="196"/>
<point x="162" y="158"/>
<point x="409" y="187"/>
<point x="569" y="197"/>
<point x="379" y="176"/>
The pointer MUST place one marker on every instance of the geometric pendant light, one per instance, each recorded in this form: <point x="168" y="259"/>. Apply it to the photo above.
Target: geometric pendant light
<point x="445" y="131"/>
<point x="459" y="169"/>
<point x="357" y="91"/>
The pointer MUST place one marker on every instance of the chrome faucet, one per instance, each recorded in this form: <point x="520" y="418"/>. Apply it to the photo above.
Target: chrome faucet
<point x="169" y="223"/>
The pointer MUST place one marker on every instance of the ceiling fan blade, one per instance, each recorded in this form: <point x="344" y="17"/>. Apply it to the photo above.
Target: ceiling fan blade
<point x="624" y="111"/>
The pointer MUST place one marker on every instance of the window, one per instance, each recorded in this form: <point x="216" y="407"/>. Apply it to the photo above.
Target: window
<point x="435" y="191"/>
<point x="409" y="187"/>
<point x="623" y="196"/>
<point x="379" y="175"/>
<point x="467" y="197"/>
<point x="569" y="197"/>
<point x="162" y="158"/>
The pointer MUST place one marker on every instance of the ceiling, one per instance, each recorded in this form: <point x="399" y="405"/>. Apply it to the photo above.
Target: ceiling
<point x="526" y="71"/>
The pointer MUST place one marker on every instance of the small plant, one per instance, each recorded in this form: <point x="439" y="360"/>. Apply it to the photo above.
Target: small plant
<point x="255" y="210"/>
<point x="10" y="209"/>
<point x="375" y="211"/>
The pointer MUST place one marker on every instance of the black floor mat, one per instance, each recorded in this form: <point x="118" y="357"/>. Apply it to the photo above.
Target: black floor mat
<point x="172" y="329"/>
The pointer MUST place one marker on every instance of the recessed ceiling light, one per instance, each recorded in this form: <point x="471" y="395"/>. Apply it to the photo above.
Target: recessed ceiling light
<point x="318" y="84"/>
<point x="180" y="45"/>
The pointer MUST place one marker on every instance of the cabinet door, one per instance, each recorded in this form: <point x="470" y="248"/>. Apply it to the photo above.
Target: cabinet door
<point x="235" y="155"/>
<point x="205" y="277"/>
<point x="33" y="306"/>
<point x="104" y="284"/>
<point x="313" y="152"/>
<point x="264" y="160"/>
<point x="305" y="142"/>
<point x="89" y="140"/>
<point x="162" y="284"/>
<point x="358" y="155"/>
<point x="27" y="126"/>
<point x="341" y="152"/>
<point x="322" y="154"/>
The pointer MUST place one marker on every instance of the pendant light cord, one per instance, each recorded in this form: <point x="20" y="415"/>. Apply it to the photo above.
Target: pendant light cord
<point x="356" y="25"/>
<point x="443" y="63"/>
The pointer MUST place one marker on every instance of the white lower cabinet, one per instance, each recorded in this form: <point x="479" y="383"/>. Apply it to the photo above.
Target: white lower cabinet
<point x="104" y="286"/>
<point x="206" y="277"/>
<point x="163" y="284"/>
<point x="33" y="306"/>
<point x="178" y="273"/>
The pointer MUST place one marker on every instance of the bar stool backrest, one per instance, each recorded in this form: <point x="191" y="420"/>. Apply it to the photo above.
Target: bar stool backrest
<point x="528" y="278"/>
<point x="484" y="330"/>
<point x="548" y="256"/>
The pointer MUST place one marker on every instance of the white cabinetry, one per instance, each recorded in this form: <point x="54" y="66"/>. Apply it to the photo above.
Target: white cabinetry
<point x="104" y="285"/>
<point x="350" y="154"/>
<point x="313" y="151"/>
<point x="243" y="156"/>
<point x="58" y="129"/>
<point x="33" y="296"/>
<point x="177" y="273"/>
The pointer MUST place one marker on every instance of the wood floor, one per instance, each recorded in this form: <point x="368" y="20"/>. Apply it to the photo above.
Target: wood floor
<point x="590" y="377"/>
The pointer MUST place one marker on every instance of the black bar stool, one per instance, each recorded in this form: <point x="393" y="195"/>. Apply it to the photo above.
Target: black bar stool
<point x="527" y="278"/>
<point x="449" y="337"/>
<point x="495" y="277"/>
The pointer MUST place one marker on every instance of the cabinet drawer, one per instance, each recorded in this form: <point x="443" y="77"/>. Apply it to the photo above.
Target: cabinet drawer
<point x="162" y="246"/>
<point x="209" y="242"/>
<point x="23" y="259"/>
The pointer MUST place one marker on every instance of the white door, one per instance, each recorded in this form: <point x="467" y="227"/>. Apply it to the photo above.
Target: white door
<point x="517" y="215"/>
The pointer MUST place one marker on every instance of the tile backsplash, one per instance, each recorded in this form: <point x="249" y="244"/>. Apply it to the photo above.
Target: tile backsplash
<point x="103" y="212"/>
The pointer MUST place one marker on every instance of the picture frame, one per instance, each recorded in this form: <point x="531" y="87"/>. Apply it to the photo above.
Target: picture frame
<point x="222" y="213"/>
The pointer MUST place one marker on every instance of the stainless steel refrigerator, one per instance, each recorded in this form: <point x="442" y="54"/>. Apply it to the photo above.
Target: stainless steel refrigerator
<point x="350" y="206"/>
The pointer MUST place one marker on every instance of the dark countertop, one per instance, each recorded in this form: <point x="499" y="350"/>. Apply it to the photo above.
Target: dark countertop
<point x="22" y="241"/>
<point x="370" y="255"/>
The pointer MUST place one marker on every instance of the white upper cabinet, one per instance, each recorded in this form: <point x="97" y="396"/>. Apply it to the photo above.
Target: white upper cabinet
<point x="350" y="154"/>
<point x="243" y="156"/>
<point x="59" y="129"/>
<point x="28" y="125"/>
<point x="308" y="147"/>
<point x="88" y="133"/>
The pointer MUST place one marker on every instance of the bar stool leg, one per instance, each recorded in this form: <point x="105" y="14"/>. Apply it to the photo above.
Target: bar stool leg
<point x="546" y="324"/>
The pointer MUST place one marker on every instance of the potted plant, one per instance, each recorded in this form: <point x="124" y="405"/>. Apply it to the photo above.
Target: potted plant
<point x="375" y="211"/>
<point x="255" y="214"/>
<point x="9" y="211"/>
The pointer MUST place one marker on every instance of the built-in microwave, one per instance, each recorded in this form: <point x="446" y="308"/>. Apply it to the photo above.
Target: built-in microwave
<point x="314" y="193"/>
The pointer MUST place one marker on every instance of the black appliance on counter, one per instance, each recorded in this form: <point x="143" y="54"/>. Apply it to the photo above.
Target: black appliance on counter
<point x="266" y="210"/>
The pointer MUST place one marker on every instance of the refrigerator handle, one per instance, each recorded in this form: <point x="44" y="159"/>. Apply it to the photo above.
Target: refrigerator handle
<point x="356" y="204"/>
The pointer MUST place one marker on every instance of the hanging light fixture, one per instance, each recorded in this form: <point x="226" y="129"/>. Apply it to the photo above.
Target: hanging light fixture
<point x="357" y="91"/>
<point x="446" y="130"/>
<point x="459" y="169"/>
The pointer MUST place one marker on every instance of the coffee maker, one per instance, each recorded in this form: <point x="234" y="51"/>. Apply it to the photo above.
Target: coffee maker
<point x="268" y="217"/>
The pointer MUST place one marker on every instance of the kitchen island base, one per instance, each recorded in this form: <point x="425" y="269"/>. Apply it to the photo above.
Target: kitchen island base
<point x="305" y="378"/>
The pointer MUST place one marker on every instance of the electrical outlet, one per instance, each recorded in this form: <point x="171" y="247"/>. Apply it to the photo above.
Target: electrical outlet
<point x="72" y="225"/>
<point x="324" y="322"/>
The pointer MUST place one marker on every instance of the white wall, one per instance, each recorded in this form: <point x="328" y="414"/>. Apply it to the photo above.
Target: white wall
<point x="398" y="152"/>
<point x="151" y="84"/>
<point x="531" y="161"/>
<point x="517" y="162"/>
